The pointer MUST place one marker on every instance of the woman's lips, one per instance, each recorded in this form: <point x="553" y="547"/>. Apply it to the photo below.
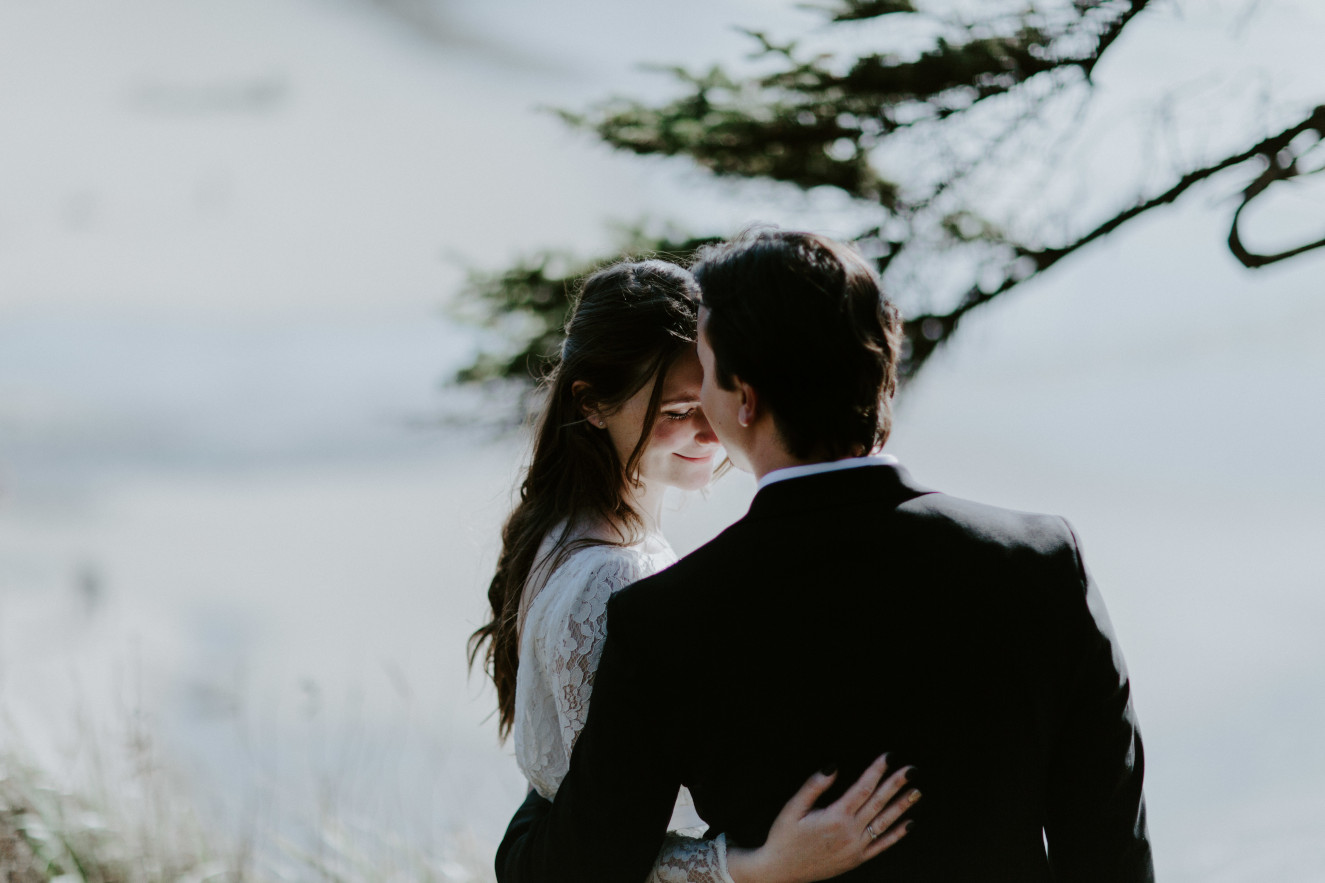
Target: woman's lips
<point x="700" y="459"/>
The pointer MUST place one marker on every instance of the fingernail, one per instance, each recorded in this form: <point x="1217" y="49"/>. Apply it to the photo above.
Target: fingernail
<point x="910" y="826"/>
<point x="915" y="795"/>
<point x="912" y="775"/>
<point x="829" y="769"/>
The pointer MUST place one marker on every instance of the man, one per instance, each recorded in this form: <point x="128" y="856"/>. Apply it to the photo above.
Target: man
<point x="848" y="613"/>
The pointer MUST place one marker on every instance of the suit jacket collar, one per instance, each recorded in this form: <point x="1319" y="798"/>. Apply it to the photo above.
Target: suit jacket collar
<point x="881" y="485"/>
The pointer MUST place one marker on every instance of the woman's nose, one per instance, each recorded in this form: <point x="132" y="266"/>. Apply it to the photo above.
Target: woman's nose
<point x="704" y="433"/>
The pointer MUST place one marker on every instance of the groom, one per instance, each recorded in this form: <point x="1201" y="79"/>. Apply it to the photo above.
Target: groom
<point x="850" y="612"/>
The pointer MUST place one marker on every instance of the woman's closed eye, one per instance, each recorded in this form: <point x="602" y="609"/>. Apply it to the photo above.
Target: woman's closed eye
<point x="681" y="415"/>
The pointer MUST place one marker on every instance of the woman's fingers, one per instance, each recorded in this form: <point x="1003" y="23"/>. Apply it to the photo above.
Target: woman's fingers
<point x="856" y="797"/>
<point x="803" y="800"/>
<point x="889" y="815"/>
<point x="887" y="839"/>
<point x="884" y="827"/>
<point x="885" y="792"/>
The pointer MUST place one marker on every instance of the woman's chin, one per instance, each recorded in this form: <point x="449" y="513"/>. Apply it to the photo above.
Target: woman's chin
<point x="696" y="482"/>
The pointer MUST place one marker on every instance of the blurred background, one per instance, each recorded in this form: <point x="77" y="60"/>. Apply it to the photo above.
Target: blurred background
<point x="247" y="520"/>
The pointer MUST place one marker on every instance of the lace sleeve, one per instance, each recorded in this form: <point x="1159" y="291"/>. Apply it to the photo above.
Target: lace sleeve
<point x="691" y="860"/>
<point x="572" y="645"/>
<point x="574" y="632"/>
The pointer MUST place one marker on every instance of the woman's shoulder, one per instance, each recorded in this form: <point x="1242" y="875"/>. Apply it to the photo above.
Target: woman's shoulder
<point x="594" y="566"/>
<point x="589" y="568"/>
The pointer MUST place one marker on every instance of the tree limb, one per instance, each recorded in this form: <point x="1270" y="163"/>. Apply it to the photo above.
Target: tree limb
<point x="1278" y="167"/>
<point x="926" y="333"/>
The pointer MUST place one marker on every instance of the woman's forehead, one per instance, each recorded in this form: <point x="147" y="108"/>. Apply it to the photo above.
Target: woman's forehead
<point x="684" y="378"/>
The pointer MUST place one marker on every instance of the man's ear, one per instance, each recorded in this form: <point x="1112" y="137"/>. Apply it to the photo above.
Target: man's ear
<point x="748" y="410"/>
<point x="578" y="390"/>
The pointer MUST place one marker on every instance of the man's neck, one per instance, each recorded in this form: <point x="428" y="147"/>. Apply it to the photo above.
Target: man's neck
<point x="764" y="450"/>
<point x="770" y="455"/>
<point x="773" y="456"/>
<point x="761" y="466"/>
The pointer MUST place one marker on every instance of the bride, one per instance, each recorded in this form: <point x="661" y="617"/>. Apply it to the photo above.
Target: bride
<point x="620" y="424"/>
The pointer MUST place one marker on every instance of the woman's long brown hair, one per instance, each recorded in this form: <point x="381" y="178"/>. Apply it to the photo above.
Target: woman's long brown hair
<point x="630" y="322"/>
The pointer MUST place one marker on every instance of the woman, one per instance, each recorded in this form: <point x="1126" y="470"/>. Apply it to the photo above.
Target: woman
<point x="621" y="423"/>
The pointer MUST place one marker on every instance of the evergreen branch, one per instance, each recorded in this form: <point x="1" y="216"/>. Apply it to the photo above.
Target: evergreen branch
<point x="926" y="333"/>
<point x="857" y="10"/>
<point x="1111" y="33"/>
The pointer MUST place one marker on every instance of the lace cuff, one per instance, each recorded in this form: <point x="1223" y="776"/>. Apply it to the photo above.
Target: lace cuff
<point x="691" y="860"/>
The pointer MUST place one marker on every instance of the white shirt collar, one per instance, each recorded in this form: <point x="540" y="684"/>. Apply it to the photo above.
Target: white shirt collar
<point x="827" y="466"/>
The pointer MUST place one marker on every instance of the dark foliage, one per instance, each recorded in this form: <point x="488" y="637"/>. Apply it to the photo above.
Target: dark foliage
<point x="953" y="110"/>
<point x="531" y="300"/>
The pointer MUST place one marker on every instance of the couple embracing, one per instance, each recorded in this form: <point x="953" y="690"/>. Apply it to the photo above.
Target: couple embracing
<point x="854" y="641"/>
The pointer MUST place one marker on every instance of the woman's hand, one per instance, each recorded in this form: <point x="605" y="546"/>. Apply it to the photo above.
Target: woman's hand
<point x="807" y="844"/>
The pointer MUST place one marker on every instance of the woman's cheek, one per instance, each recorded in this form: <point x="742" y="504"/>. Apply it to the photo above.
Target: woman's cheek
<point x="666" y="430"/>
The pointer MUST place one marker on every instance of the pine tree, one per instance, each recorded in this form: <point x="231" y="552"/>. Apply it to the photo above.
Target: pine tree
<point x="942" y="147"/>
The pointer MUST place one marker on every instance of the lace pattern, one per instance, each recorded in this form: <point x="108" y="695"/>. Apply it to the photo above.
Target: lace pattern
<point x="560" y="646"/>
<point x="691" y="860"/>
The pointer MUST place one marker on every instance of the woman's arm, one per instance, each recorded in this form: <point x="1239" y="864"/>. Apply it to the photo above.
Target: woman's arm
<point x="571" y="655"/>
<point x="570" y="642"/>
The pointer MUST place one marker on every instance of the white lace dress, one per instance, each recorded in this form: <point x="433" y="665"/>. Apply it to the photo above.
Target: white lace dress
<point x="561" y="642"/>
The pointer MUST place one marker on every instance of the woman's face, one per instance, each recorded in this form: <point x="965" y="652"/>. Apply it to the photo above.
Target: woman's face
<point x="682" y="446"/>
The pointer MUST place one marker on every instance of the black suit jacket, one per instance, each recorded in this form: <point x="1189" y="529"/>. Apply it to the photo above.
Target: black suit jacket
<point x="847" y="614"/>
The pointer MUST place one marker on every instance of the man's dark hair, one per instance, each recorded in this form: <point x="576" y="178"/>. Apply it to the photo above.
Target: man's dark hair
<point x="804" y="320"/>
